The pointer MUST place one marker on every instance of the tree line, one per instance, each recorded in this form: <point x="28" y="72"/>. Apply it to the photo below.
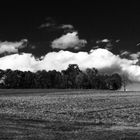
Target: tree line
<point x="72" y="77"/>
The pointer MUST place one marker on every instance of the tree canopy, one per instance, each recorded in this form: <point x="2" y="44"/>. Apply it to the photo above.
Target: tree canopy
<point x="72" y="77"/>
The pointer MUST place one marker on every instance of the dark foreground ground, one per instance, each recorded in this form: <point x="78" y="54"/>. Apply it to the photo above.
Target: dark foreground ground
<point x="69" y="115"/>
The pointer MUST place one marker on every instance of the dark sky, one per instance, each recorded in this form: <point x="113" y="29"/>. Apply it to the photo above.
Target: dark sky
<point x="93" y="21"/>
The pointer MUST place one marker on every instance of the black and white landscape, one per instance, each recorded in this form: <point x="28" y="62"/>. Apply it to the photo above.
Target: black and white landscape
<point x="69" y="71"/>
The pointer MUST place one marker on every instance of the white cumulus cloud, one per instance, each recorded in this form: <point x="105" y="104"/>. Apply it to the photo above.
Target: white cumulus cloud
<point x="69" y="40"/>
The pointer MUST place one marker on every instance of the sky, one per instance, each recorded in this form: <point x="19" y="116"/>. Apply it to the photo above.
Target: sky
<point x="37" y="35"/>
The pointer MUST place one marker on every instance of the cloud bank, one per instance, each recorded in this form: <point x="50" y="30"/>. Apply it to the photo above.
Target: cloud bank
<point x="69" y="40"/>
<point x="102" y="59"/>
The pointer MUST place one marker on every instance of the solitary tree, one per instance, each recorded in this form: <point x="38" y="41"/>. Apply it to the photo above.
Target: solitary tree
<point x="125" y="81"/>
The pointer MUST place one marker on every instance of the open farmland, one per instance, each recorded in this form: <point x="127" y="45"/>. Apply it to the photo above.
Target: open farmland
<point x="69" y="115"/>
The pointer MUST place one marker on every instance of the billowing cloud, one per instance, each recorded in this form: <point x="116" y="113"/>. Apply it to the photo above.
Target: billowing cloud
<point x="12" y="47"/>
<point x="69" y="40"/>
<point x="102" y="59"/>
<point x="23" y="62"/>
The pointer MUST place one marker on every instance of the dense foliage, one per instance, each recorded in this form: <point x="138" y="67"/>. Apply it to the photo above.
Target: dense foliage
<point x="72" y="77"/>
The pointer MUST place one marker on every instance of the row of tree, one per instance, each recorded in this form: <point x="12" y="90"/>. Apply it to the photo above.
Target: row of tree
<point x="72" y="77"/>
